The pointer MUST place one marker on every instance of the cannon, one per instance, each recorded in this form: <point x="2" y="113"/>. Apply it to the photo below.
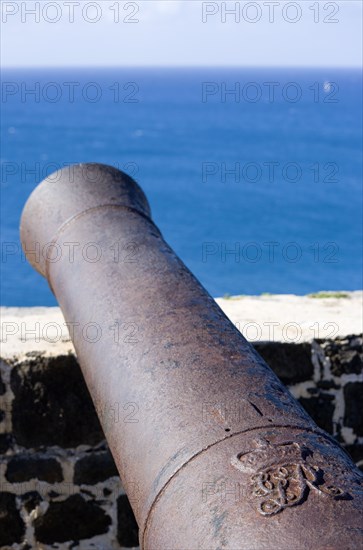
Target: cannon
<point x="213" y="450"/>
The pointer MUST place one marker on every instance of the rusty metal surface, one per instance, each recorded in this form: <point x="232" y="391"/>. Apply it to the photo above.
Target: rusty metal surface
<point x="213" y="451"/>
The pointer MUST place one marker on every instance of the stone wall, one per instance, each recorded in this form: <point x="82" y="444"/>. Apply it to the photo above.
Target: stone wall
<point x="58" y="480"/>
<point x="59" y="487"/>
<point x="326" y="376"/>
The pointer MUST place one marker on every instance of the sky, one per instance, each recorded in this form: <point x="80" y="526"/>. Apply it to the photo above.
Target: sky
<point x="181" y="33"/>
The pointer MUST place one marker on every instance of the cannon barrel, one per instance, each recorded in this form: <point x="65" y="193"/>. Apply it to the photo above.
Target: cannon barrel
<point x="213" y="450"/>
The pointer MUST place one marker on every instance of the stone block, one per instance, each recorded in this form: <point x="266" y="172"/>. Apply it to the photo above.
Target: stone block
<point x="94" y="468"/>
<point x="72" y="519"/>
<point x="24" y="468"/>
<point x="291" y="362"/>
<point x="127" y="529"/>
<point x="353" y="397"/>
<point x="321" y="409"/>
<point x="12" y="528"/>
<point x="52" y="405"/>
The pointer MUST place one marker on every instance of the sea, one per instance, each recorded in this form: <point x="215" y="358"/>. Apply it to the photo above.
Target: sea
<point x="254" y="176"/>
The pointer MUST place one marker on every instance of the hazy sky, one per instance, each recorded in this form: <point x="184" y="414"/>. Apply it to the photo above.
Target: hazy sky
<point x="179" y="33"/>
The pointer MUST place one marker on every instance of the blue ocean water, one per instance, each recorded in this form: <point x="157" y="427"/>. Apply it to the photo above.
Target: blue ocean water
<point x="253" y="176"/>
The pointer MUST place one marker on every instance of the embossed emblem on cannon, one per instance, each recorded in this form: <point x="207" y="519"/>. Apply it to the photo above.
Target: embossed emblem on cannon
<point x="283" y="486"/>
<point x="282" y="477"/>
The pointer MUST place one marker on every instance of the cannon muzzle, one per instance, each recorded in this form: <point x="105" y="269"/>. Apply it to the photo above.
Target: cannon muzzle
<point x="212" y="449"/>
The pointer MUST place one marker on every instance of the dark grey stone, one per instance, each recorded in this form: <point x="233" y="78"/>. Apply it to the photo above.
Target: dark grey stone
<point x="71" y="519"/>
<point x="353" y="397"/>
<point x="52" y="405"/>
<point x="12" y="528"/>
<point x="356" y="452"/>
<point x="346" y="362"/>
<point x="94" y="468"/>
<point x="24" y="468"/>
<point x="291" y="362"/>
<point x="5" y="442"/>
<point x="321" y="409"/>
<point x="327" y="385"/>
<point x="2" y="386"/>
<point x="127" y="528"/>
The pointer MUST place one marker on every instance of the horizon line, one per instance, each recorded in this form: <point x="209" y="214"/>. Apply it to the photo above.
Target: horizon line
<point x="176" y="67"/>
